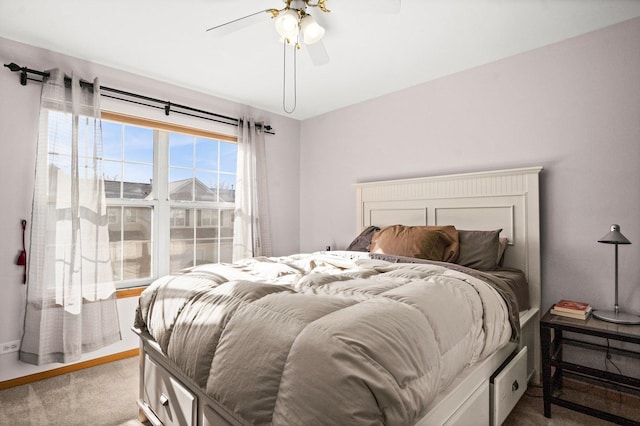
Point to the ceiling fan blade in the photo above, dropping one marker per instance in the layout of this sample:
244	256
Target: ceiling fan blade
317	53
238	24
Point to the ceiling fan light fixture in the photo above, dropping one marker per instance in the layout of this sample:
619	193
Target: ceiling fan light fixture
287	24
311	30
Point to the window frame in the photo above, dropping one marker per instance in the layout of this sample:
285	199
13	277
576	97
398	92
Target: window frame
161	204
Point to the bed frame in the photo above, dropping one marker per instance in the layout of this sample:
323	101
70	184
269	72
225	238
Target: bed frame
485	392
506	199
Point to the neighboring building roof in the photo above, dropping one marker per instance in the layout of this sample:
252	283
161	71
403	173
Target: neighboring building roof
130	189
178	190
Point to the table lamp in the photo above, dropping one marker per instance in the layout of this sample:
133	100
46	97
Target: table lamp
614	236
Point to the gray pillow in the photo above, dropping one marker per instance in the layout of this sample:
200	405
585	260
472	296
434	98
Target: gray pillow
479	249
362	241
503	243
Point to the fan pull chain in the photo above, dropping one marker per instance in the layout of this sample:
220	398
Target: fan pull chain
284	82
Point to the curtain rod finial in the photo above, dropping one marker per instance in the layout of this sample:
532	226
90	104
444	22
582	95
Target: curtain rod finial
23	75
13	66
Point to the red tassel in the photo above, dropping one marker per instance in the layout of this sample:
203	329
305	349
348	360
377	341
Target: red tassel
22	257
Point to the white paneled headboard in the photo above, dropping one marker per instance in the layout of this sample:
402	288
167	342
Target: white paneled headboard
507	199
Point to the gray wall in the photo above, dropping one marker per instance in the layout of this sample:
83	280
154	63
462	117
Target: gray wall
572	107
18	134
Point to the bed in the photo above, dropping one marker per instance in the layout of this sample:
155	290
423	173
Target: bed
362	337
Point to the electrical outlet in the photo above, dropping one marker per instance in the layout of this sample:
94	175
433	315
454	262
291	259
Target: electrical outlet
10	347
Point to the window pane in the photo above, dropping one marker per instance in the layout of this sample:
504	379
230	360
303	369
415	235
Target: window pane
137	181
178	218
86	138
227	188
60	162
137	242
130	241
206	251
207	154
181	239
126	179
206	236
114	216
226	223
59	127
199	169
206	184
206	223
228	157
181	150
112	172
112	140
181	223
226	250
180	184
181	255
88	169
138	144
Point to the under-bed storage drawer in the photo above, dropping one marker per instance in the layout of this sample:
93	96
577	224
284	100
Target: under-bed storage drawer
508	386
474	411
171	402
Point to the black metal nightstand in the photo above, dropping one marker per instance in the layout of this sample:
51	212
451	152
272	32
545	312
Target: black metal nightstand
554	365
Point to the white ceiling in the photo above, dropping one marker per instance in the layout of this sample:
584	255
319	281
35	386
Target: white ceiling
372	53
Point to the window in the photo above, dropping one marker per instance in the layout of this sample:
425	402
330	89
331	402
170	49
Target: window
170	195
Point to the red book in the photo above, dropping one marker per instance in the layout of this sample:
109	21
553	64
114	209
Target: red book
565	305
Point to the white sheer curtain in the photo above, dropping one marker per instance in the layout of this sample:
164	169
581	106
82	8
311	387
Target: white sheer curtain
251	227
71	301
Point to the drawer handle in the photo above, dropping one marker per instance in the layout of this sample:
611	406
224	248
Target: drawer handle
164	400
515	386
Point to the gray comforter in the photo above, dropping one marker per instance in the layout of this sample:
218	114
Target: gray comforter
324	338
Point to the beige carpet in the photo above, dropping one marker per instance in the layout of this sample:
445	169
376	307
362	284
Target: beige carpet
106	395
102	395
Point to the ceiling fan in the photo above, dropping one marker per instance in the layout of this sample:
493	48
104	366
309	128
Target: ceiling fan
295	25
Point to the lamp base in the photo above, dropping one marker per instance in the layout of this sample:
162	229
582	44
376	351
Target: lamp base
617	317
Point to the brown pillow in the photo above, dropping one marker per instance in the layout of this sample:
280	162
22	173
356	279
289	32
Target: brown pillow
423	242
479	249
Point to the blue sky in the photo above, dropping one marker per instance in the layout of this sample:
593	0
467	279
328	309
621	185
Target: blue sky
189	156
138	142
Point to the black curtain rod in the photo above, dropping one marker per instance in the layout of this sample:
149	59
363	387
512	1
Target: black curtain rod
121	95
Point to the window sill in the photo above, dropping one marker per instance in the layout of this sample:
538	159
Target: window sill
129	292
